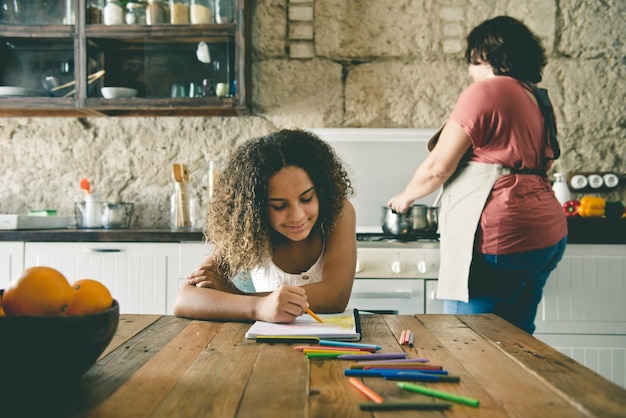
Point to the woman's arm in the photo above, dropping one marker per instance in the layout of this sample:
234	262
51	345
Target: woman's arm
338	268
436	169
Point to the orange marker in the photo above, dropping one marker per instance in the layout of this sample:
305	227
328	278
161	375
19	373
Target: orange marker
365	390
314	315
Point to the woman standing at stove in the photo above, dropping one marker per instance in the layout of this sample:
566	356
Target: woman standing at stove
279	211
502	229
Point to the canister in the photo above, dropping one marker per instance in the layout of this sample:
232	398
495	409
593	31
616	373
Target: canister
201	11
179	12
135	13
113	13
155	12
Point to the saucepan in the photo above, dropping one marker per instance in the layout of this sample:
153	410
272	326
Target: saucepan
414	220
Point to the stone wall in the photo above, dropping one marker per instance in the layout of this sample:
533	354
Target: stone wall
332	63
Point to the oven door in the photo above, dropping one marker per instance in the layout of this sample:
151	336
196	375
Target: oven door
388	296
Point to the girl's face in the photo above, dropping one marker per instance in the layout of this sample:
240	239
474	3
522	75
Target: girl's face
293	206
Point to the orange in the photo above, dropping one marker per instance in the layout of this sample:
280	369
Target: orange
38	291
90	296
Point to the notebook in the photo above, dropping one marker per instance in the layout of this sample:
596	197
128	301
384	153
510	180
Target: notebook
344	326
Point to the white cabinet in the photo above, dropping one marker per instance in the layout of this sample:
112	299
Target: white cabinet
137	274
11	261
582	312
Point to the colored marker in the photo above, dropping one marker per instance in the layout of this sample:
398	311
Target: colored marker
411	339
286	339
346	344
405	366
360	364
365	390
399	406
376	356
324	348
438	394
313	351
329	354
314	315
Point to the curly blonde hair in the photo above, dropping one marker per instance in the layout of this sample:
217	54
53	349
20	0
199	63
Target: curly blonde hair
237	220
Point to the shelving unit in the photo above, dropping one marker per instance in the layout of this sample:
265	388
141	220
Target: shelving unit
148	58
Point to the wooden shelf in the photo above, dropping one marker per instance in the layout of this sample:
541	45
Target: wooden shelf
148	58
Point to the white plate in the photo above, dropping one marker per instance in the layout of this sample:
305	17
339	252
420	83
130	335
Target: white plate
9	91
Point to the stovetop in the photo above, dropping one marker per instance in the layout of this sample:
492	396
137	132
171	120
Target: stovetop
425	239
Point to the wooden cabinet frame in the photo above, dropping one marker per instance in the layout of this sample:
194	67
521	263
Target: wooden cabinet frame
81	104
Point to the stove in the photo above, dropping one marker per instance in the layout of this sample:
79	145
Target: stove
393	274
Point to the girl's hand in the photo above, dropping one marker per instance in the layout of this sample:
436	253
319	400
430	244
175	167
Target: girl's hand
206	276
283	305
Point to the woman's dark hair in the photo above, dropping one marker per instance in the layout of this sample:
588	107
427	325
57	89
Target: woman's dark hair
237	220
509	47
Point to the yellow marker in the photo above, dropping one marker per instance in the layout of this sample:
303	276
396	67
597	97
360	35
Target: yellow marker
314	315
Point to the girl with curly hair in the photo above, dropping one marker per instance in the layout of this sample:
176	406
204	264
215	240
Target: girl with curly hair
280	213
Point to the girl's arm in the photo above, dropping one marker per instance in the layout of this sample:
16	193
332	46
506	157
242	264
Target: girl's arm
338	268
284	304
436	169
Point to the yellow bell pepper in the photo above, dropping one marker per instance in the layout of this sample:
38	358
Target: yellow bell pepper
591	207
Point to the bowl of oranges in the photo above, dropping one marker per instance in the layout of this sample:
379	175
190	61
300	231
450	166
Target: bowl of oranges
52	331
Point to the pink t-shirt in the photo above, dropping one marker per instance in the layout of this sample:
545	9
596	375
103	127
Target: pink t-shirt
506	127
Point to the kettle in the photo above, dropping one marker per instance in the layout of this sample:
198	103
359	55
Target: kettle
90	211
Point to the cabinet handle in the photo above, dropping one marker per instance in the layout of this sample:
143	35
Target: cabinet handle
401	294
103	250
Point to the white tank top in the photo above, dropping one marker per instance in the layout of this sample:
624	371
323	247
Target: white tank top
270	277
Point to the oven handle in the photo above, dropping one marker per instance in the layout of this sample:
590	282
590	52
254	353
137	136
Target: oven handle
399	294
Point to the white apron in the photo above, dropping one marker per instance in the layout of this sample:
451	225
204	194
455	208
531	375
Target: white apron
462	202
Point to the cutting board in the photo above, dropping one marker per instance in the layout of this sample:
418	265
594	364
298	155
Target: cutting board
33	222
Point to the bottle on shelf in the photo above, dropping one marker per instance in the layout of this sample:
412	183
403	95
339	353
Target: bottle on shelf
561	191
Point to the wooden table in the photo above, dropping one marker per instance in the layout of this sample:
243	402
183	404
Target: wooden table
164	366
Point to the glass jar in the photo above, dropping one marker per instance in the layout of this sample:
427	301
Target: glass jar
155	12
179	12
135	14
224	11
113	13
94	11
201	12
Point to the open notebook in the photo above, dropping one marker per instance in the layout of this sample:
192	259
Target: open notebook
344	326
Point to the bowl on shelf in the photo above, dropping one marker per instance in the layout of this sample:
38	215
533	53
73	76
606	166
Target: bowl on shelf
118	92
42	353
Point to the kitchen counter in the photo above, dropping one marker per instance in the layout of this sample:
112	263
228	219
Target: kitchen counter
101	235
164	366
581	231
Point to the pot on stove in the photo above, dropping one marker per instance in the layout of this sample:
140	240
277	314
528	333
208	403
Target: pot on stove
416	219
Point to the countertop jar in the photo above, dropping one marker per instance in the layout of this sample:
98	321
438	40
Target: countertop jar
201	11
156	12
179	12
113	13
135	13
94	11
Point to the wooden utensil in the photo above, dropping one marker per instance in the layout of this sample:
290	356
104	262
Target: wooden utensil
180	174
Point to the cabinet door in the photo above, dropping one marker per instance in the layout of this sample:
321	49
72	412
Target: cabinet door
586	292
135	273
11	261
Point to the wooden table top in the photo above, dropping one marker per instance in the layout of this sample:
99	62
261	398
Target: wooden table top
164	366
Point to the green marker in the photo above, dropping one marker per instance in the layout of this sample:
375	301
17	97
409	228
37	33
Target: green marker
323	355
438	394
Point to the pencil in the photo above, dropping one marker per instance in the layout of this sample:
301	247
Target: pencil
365	390
314	315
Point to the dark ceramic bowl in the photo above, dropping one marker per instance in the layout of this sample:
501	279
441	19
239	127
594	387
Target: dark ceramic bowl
53	350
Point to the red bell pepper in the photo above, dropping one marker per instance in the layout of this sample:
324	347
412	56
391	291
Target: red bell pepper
571	208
